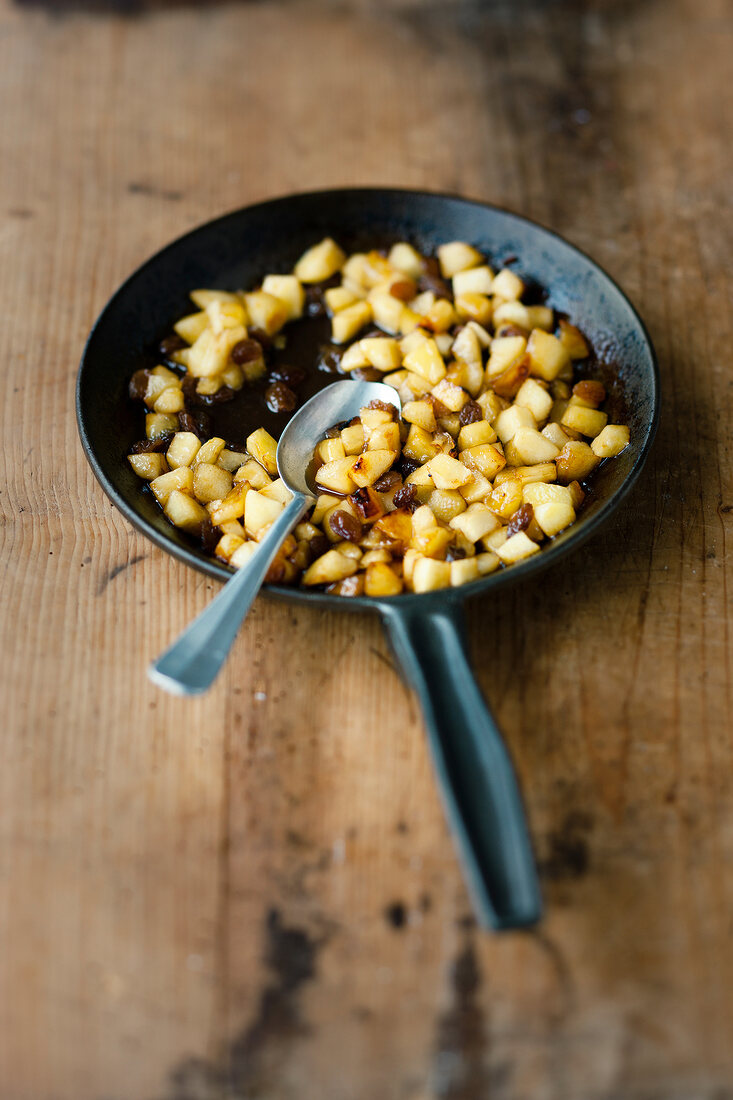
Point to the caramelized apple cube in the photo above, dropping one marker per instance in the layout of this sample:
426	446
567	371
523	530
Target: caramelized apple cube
611	441
383	352
157	424
505	352
263	447
476	280
148	465
575	461
180	479
457	256
329	568
183	511
259	512
485	458
589	422
426	360
370	465
573	341
463	571
190	328
210	482
320	262
337	475
381	580
554	517
429	574
517	548
420	413
287	289
346	324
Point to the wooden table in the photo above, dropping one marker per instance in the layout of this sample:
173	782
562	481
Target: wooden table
253	895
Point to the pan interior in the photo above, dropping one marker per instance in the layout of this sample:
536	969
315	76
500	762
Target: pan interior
235	251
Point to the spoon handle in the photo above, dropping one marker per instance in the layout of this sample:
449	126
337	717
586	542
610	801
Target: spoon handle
193	662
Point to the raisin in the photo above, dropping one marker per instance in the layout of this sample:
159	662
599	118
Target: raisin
521	520
198	423
345	526
246	351
387	481
431	279
367	503
314	304
366	374
329	359
319	545
292	376
151	446
404	289
138	386
470	413
405	497
455	553
384	406
511	330
261	337
222	395
332	433
408	466
280	398
592	392
171	344
209	536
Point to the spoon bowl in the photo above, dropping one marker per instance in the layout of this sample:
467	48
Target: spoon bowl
192	663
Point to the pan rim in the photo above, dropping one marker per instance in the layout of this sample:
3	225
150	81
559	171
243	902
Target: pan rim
408	601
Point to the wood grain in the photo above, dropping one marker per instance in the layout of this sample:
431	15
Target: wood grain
253	894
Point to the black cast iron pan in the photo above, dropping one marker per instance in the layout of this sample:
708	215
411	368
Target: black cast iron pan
426	631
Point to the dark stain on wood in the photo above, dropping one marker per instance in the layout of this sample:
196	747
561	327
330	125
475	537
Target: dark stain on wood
396	915
568	853
460	1067
136	187
249	1067
115	572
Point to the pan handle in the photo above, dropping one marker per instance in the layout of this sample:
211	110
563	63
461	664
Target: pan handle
479	789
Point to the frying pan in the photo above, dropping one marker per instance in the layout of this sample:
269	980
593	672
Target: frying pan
426	631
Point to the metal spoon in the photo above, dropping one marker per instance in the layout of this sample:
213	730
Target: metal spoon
192	663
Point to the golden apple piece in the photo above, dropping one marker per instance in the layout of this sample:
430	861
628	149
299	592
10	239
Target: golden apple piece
277	490
210	451
253	474
487	562
504	499
382	352
532	447
233	376
457	256
406	259
170	401
231	507
190	328
259	512
589	422
474	307
554	517
320	262
387	311
148	465
210	482
170	377
473	435
476	280
243	554
346	324
467	348
339	297
575	461
547	356
476	522
180	479
463	571
263	447
226	546
183	449
329	450
420	413
446	504
611	441
231	460
517	548
289	290
507	285
477	488
381	580
439	318
157	424
352	439
450	395
337	475
555	434
329	568
505	351
536	493
573	341
372	557
533	396
447	472
183	511
429	574
370	465
267	312
491	405
486	459
204	298
511	420
419	445
384	438
209	356
426	360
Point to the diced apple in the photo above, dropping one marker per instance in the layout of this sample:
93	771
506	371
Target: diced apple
330	567
259	512
537	493
183	511
504	499
263	447
474	307
370	465
507	285
485	458
476	280
404	258
589	422
439	318
346	324
210	482
388	312
383	352
320	262
447	472
231	460
157	424
429	574
148	465
426	360
473	435
450	395
511	420
611	441
547	356
532	447
554	517
457	256
277	490
190	328
463	571
575	461
517	548
505	351
476	522
381	580
573	341
352	439
420	413
533	396
337	475
231	507
446	504
180	479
